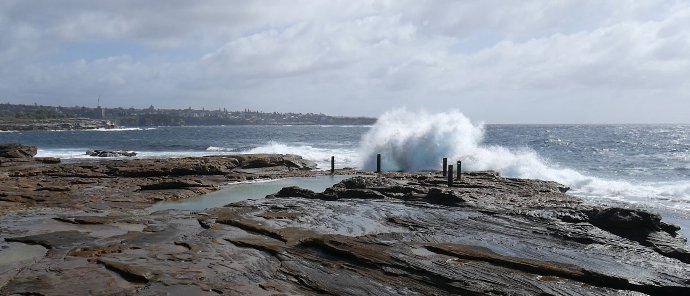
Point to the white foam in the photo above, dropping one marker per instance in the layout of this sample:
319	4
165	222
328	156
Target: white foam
219	149
120	129
346	125
69	153
321	156
411	141
102	129
80	154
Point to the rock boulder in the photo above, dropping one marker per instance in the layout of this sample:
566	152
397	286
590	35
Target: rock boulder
17	151
106	153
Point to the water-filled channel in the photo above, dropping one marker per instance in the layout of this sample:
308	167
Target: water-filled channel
248	190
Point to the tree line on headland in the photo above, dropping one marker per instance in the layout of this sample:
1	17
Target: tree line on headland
171	117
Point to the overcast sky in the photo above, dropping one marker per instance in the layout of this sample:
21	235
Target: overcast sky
496	61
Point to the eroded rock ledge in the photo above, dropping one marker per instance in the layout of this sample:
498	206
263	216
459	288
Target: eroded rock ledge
402	234
28	182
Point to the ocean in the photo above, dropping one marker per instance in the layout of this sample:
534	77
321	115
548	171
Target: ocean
633	164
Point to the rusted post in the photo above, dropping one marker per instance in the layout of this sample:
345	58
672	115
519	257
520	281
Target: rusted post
378	163
459	170
445	164
450	175
332	165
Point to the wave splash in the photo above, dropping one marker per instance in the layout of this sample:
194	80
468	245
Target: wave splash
414	141
321	156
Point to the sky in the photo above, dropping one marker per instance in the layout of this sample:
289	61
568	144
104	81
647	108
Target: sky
555	61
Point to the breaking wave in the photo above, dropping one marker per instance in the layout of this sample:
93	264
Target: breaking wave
122	129
321	156
413	141
102	129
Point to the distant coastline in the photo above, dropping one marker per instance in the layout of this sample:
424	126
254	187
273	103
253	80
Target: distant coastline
39	117
53	124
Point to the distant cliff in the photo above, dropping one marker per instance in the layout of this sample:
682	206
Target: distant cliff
167	117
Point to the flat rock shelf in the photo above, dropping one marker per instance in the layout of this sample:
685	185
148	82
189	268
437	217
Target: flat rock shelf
385	234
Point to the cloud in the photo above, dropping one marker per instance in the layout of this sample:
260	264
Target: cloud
496	61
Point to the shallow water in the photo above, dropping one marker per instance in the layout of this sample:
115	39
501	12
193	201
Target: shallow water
250	190
15	256
12	253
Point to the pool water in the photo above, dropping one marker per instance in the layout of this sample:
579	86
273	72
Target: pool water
248	190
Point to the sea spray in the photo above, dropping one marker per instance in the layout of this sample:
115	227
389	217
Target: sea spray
413	141
321	156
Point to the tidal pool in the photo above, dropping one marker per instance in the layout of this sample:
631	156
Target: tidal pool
250	190
12	253
15	256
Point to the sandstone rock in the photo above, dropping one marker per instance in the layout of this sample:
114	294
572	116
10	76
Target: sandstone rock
358	188
53	240
107	153
128	271
632	224
294	191
17	151
178	167
402	234
48	160
53	188
443	197
174	184
360	182
130	183
95	220
250	161
352	193
644	228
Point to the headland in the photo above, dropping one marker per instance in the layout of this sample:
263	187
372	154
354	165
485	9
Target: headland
19	117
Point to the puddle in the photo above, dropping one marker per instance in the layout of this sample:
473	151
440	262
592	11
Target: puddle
15	256
43	225
243	191
129	226
13	253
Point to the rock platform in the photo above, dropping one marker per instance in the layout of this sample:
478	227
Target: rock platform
388	234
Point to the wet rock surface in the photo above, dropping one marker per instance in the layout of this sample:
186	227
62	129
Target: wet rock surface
17	151
136	183
108	153
398	234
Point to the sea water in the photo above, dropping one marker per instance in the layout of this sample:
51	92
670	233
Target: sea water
645	165
239	191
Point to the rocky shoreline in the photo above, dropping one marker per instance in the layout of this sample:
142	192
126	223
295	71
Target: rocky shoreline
84	229
128	184
54	124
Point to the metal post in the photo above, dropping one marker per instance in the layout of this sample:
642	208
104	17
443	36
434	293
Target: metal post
332	165
450	175
445	164
378	163
459	170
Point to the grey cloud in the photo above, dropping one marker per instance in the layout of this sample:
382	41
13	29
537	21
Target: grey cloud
495	61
